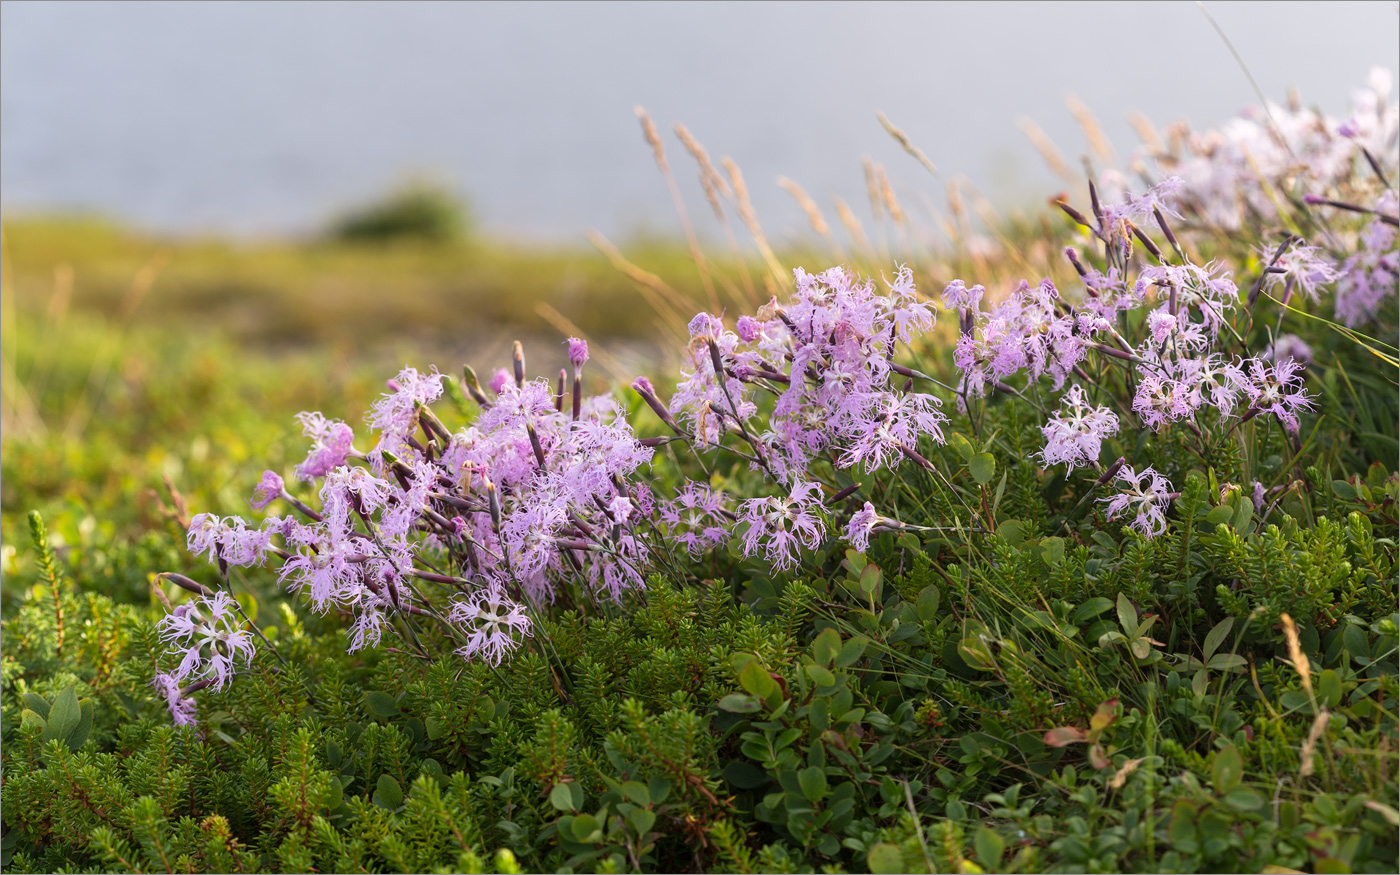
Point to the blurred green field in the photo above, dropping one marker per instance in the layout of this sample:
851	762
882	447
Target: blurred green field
130	359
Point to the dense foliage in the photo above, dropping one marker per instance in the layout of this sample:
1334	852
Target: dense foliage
1128	603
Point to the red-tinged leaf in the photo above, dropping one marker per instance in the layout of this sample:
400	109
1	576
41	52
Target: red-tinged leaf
1104	716
1061	736
1097	758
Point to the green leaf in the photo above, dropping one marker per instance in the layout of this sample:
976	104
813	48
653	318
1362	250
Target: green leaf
1013	532
562	797
926	605
1354	640
387	793
851	651
870	579
1244	799
1052	550
1217	635
812	780
659	789
1329	688
1244	516
381	704
755	678
1140	647
642	820
885	858
1226	662
1127	615
36	703
1090	609
583	827
826	646
637	792
745	776
32	718
1343	490
79	736
1227	770
1104	715
961	445
249	605
989	847
65	715
820	676
976	653
982	467
1218	515
739	703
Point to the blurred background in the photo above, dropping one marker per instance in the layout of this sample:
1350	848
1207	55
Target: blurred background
259	119
214	215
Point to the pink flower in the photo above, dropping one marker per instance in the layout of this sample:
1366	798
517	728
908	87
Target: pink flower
1308	267
889	422
183	711
1074	435
500	380
228	540
578	352
395	414
1148	494
695	518
861	525
209	638
1276	389
268	490
332	441
957	296
780	525
493	624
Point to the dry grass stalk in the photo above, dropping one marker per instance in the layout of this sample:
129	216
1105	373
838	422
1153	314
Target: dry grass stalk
1041	141
872	185
1093	132
892	207
1146	132
597	352
750	220
814	215
715	189
649	130
904	141
668	303
1295	653
887	195
714	184
1308	754
962	222
854	228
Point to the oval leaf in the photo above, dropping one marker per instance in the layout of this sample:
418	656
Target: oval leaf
64	716
983	467
1062	736
739	703
381	704
885	858
387	793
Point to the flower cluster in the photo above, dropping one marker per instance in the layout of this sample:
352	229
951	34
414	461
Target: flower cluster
827	355
209	638
543	494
